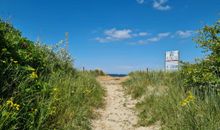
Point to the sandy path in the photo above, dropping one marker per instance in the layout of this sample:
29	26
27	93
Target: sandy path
118	113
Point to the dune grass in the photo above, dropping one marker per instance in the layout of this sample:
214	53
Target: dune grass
162	98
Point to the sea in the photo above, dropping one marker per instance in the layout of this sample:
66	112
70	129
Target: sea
118	75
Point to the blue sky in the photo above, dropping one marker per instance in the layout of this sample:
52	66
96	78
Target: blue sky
117	36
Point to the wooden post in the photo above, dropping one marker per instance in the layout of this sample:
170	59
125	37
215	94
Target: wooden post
67	40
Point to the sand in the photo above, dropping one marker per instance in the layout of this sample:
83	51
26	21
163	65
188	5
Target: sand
118	113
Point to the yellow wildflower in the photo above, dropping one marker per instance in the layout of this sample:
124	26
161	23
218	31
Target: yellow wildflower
10	103
13	105
16	106
188	99
33	75
184	102
190	96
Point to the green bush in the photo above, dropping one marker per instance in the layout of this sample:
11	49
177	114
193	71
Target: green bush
204	76
39	87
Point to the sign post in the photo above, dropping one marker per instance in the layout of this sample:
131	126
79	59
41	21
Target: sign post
172	60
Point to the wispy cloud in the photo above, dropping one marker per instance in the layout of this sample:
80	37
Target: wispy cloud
115	35
143	34
140	1
118	35
140	34
184	34
161	5
156	38
159	37
141	38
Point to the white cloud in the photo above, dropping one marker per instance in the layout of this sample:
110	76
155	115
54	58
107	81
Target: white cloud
140	1
112	35
153	39
102	40
140	42
158	37
184	34
117	35
142	34
161	5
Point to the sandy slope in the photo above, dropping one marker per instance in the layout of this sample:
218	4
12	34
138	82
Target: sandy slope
118	113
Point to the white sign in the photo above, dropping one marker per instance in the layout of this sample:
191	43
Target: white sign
172	60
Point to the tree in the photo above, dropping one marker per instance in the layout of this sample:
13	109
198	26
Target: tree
204	76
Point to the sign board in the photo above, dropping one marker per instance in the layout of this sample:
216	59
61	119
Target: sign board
172	60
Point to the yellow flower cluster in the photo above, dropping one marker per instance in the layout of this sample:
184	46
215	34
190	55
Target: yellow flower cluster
188	99
13	105
34	75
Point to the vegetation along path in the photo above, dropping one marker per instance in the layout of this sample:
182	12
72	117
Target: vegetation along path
118	113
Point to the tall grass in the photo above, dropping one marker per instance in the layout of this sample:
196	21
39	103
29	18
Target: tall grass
163	99
75	98
40	88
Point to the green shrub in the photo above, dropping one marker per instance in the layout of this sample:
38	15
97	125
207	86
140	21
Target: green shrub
39	87
204	76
